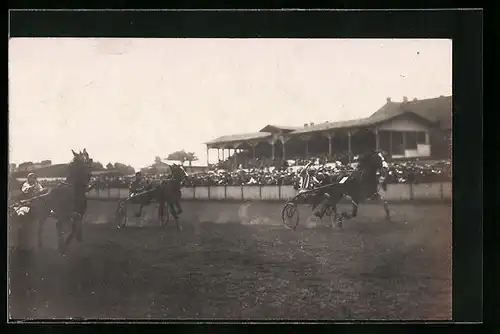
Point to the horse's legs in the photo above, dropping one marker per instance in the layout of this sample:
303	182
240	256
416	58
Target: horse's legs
60	239
175	214
379	196
138	214
41	223
77	227
75	222
337	219
355	204
178	206
386	207
161	210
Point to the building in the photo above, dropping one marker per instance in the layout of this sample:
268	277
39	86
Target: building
30	166
407	129
161	167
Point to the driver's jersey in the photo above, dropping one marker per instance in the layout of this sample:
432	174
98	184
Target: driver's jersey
31	189
307	181
136	187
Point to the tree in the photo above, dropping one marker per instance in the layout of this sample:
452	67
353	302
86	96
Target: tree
125	169
46	162
96	165
191	157
27	163
183	156
109	165
157	160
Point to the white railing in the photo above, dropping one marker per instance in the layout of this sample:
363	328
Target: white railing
395	192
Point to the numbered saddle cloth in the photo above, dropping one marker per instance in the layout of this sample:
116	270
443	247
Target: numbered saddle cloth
22	210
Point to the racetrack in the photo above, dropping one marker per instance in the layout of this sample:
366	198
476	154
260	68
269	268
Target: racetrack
236	261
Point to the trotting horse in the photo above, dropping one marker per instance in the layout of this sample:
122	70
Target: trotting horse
67	202
168	192
362	184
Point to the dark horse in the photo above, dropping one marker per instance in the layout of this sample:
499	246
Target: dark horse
167	192
66	203
363	183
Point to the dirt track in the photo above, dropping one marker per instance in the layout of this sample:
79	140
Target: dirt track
236	261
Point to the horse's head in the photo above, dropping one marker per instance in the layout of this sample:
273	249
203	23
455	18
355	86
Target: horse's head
178	173
371	161
79	169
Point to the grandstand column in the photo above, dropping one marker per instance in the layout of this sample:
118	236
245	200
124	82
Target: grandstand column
306	138
272	141
330	136
208	155
404	141
377	139
349	150
390	143
283	140
218	154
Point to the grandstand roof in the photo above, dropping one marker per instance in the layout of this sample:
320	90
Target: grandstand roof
435	110
333	125
430	111
239	137
276	128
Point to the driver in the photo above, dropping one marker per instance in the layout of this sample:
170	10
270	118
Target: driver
307	178
137	185
31	187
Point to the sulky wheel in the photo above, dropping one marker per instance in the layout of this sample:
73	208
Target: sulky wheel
121	214
290	215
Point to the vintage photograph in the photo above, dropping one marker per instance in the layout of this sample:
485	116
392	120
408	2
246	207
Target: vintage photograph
230	179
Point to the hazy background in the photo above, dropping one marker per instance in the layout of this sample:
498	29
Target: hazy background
128	100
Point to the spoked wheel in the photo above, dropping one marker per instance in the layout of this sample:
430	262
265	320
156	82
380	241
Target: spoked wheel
290	215
121	215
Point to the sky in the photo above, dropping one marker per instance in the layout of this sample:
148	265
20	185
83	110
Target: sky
129	100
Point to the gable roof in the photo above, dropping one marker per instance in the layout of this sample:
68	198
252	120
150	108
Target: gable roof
437	109
353	123
428	111
239	137
277	128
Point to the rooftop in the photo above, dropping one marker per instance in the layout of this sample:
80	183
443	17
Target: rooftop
239	137
434	110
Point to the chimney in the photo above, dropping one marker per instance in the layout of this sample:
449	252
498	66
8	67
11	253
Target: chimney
405	98
388	100
311	124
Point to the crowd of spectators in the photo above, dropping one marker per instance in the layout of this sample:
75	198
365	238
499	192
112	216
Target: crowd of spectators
402	172
398	172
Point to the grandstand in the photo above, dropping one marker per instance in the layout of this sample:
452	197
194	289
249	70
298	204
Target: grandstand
404	130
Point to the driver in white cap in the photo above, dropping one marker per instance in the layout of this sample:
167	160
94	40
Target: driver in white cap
31	187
